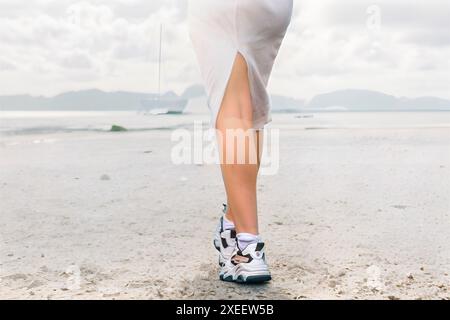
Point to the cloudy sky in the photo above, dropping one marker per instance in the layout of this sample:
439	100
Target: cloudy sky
400	47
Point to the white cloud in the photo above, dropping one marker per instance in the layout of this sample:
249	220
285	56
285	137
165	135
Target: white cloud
330	47
49	46
6	65
64	45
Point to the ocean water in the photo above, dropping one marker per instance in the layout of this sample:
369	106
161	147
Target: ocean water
36	122
363	120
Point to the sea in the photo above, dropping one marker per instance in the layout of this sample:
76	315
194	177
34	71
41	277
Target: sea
48	122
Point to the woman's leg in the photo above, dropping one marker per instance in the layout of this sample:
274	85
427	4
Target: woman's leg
260	140
236	117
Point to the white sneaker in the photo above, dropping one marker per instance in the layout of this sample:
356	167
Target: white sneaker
219	230
248	266
225	243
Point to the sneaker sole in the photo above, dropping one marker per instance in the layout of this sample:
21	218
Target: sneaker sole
248	280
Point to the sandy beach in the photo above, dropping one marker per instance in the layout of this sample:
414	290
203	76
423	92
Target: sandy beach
358	210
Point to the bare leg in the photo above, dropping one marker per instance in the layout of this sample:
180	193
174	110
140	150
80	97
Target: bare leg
260	140
240	179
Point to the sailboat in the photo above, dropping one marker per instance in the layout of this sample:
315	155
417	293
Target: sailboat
167	104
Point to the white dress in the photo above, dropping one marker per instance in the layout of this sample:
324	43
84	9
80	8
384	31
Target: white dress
220	29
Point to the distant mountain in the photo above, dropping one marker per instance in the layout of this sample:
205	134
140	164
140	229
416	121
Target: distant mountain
345	100
365	100
89	100
286	104
195	91
79	100
425	102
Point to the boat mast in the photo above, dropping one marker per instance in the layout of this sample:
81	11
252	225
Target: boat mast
160	60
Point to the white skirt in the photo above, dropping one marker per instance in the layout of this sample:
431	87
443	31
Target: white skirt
220	29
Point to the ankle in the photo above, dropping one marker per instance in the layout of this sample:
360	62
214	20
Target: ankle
246	239
228	224
228	217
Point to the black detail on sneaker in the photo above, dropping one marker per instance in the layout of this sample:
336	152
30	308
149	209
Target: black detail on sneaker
240	258
233	234
215	246
221	224
227	279
260	246
254	279
224	242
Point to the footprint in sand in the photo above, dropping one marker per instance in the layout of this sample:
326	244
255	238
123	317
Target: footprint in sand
105	177
400	207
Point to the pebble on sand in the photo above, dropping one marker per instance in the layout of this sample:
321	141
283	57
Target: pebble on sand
105	177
